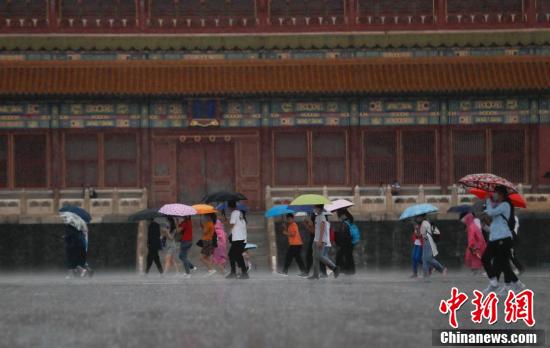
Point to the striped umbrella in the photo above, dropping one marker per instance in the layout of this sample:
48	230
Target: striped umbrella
177	209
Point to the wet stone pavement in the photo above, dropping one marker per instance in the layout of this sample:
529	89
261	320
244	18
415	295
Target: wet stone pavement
370	309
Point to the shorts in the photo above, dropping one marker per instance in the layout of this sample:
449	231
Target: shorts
207	248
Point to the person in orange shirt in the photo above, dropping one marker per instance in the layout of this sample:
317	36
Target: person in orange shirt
206	241
290	229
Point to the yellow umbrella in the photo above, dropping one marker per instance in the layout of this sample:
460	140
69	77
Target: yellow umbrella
203	209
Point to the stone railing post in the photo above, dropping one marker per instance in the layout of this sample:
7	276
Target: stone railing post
141	247
421	198
144	198
389	200
56	197
268	197
454	195
357	199
116	201
23	202
87	203
296	192
325	191
520	188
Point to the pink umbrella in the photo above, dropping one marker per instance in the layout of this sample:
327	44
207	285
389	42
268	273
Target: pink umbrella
177	209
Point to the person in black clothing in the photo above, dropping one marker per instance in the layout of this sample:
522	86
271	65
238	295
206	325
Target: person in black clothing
344	256
74	250
153	246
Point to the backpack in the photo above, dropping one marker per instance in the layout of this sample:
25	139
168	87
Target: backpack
511	221
435	233
354	232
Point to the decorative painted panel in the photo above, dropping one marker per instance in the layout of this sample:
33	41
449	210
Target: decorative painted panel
168	114
277	112
24	115
396	112
493	110
92	114
309	113
544	109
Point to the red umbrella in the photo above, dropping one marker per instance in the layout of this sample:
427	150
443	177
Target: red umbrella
487	182
516	199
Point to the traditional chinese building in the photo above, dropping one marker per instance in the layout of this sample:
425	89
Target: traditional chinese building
183	97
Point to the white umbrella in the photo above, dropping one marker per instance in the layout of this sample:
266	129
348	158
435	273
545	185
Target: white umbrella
338	204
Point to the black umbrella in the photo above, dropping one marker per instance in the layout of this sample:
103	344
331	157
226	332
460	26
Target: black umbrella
224	196
78	211
147	214
460	209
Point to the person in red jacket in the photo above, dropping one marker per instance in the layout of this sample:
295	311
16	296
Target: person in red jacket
186	227
416	251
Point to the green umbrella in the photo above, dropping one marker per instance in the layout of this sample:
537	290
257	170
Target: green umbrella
310	199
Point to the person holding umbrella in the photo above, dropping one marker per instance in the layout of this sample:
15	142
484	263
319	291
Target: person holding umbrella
153	246
238	238
497	255
186	227
476	243
321	244
76	240
429	247
344	256
294	251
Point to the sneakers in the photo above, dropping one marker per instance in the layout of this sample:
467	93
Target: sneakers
313	277
231	276
518	286
211	272
284	274
414	275
244	276
186	275
193	269
336	272
504	290
303	275
491	288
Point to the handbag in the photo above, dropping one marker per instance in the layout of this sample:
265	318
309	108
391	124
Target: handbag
200	243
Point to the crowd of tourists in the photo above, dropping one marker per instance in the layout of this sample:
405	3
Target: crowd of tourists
491	231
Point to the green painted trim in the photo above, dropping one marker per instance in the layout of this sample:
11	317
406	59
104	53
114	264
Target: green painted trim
295	41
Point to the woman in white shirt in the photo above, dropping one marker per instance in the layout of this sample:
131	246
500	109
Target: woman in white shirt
237	223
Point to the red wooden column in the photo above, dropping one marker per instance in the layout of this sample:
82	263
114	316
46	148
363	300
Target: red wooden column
262	12
141	14
440	11
351	12
530	10
53	14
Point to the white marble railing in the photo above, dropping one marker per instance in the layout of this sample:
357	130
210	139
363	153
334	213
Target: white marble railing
386	205
43	203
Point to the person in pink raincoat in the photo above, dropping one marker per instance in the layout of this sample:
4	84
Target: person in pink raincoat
476	244
219	257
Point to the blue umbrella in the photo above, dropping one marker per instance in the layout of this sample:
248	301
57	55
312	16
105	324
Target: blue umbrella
223	206
418	209
278	210
302	208
78	211
460	209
